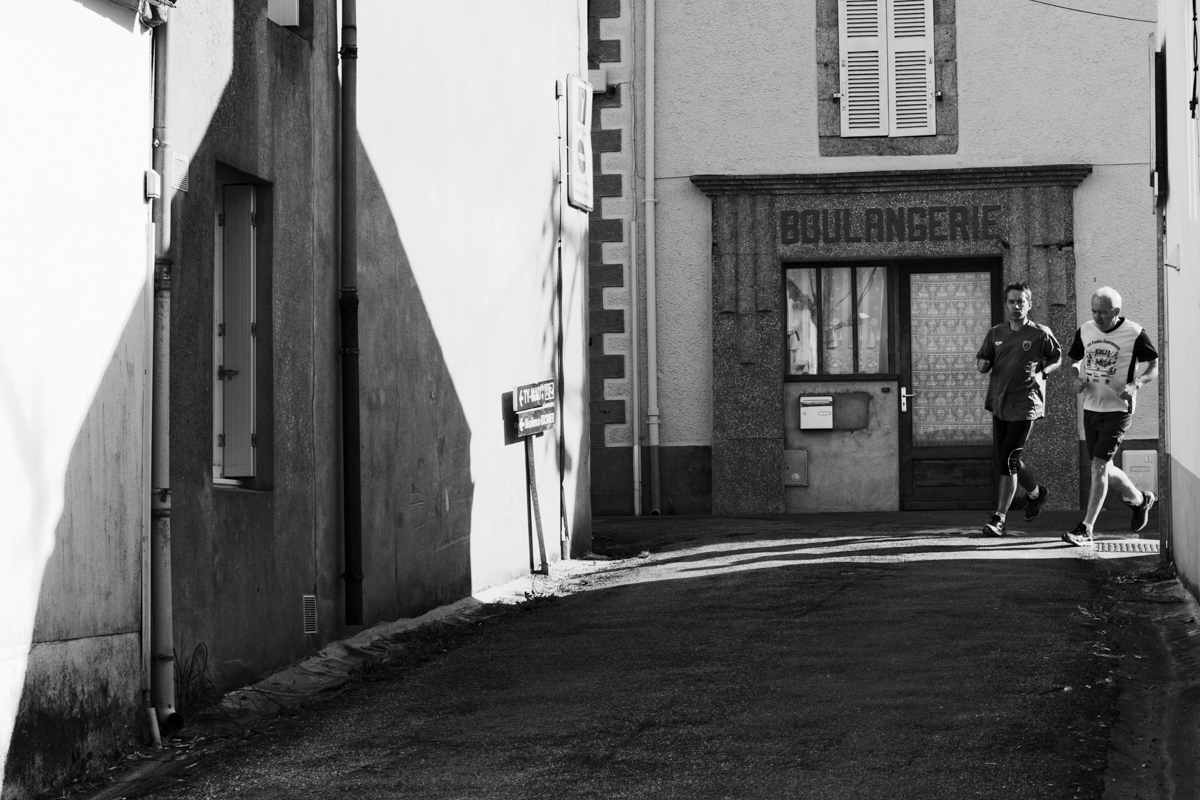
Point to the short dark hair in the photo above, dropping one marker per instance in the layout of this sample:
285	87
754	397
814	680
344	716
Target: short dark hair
1020	286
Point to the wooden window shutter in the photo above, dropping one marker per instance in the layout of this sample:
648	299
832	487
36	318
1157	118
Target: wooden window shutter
237	302
862	64
910	68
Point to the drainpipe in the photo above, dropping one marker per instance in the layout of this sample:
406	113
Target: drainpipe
162	634
651	303
348	303
633	361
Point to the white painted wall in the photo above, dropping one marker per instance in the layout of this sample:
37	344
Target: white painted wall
73	253
458	116
1182	288
736	93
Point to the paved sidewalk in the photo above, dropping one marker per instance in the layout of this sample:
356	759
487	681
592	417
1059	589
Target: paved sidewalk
828	656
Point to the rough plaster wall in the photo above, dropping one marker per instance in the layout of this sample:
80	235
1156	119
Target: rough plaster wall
72	347
248	552
83	706
1114	245
736	87
736	91
684	269
477	209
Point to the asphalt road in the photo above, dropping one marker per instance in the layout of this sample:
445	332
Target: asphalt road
829	658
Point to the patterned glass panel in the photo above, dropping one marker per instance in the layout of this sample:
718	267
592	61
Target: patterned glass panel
837	320
951	312
802	321
872	320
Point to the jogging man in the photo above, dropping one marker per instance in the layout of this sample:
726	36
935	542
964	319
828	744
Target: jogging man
1019	354
1105	355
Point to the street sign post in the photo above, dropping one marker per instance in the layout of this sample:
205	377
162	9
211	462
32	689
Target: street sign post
528	411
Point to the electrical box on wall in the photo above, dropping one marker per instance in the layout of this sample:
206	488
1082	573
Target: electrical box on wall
795	468
1142	468
816	412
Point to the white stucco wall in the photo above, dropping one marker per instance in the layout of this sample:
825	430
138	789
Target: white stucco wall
469	163
1182	290
73	251
737	91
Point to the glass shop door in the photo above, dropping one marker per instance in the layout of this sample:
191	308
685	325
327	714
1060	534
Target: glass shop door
946	459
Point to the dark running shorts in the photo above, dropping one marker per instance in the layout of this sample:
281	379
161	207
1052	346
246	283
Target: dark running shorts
1009	436
1103	432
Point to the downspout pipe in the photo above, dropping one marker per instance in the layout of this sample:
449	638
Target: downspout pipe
162	633
636	434
348	304
652	414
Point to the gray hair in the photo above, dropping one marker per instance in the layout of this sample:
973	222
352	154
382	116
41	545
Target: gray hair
1110	294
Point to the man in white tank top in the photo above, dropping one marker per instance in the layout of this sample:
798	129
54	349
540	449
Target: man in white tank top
1105	356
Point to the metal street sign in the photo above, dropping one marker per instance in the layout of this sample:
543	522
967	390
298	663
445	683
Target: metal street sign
533	395
536	421
579	143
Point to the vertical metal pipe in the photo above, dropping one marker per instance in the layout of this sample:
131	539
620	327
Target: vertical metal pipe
564	533
652	415
636	412
162	633
348	303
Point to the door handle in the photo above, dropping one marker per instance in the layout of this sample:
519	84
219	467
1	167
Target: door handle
225	374
904	395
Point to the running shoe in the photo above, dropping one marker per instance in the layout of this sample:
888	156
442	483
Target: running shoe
1034	507
1080	537
1141	513
996	527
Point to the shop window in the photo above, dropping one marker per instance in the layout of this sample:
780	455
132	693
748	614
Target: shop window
235	357
837	321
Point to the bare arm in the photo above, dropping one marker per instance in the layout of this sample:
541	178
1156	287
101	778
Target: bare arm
1080	381
1150	373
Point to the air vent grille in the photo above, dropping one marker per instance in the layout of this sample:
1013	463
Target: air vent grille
179	172
310	613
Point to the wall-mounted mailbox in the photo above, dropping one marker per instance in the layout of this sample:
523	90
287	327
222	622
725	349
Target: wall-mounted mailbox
816	412
795	468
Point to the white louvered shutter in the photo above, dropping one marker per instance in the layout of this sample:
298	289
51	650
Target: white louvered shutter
862	63
910	68
237	303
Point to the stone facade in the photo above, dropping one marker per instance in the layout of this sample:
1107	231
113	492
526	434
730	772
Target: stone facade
1029	225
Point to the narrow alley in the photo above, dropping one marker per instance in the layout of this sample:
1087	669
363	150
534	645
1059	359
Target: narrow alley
833	656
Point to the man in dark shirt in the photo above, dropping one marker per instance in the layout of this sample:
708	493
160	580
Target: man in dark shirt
1019	354
1105	355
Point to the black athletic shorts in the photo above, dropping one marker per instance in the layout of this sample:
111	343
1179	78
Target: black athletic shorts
1009	437
1103	432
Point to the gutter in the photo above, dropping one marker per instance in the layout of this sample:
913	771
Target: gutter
348	304
651	302
162	634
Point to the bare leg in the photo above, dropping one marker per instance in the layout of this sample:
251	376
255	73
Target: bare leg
1097	492
1118	479
1103	473
1006	489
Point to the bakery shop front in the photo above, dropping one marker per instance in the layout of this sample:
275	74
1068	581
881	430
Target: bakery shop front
847	311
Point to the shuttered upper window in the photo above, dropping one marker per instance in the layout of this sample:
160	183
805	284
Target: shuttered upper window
235	332
886	67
